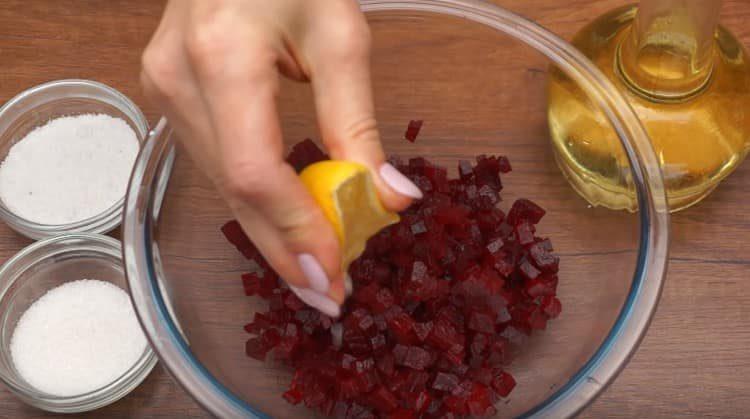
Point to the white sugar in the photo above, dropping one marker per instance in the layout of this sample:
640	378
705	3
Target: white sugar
76	338
70	169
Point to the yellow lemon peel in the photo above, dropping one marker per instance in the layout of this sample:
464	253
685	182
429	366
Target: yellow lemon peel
346	193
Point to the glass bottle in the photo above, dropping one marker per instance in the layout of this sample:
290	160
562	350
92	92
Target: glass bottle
687	78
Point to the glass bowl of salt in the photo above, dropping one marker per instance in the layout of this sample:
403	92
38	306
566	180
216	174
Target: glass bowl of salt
67	149
70	340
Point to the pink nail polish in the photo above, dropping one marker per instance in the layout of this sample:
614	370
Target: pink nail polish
314	273
318	301
399	182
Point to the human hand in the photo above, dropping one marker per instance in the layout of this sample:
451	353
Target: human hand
213	68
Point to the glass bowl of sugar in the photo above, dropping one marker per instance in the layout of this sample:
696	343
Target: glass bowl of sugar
67	148
69	337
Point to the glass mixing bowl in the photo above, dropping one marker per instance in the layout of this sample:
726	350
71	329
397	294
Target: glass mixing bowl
184	276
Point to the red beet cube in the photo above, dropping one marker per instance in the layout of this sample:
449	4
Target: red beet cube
236	235
386	364
495	245
524	233
479	400
378	343
304	154
528	270
465	170
525	210
293	396
402	413
445	382
456	405
481	322
402	327
503	383
422	330
538	287
251	283
543	258
551	306
413	129
438	176
382	400
414	357
256	348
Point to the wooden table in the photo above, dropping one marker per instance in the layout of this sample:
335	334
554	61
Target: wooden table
694	359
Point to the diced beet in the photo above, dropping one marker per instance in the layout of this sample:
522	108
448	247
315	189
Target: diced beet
256	348
304	154
382	400
378	343
445	382
402	413
293	396
525	210
236	235
503	384
487	198
551	306
422	330
381	301
465	170
413	129
478	345
543	258
386	364
416	358
455	404
524	233
402	327
441	302
418	228
251	284
528	270
438	176
292	302
538	287
481	322
479	400
495	245
545	244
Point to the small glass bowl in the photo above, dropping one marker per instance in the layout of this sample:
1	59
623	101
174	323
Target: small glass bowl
34	271
40	104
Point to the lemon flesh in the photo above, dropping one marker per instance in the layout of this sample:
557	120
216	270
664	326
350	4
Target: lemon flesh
346	193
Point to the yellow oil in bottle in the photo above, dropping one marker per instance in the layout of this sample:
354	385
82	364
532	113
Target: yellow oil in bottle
699	137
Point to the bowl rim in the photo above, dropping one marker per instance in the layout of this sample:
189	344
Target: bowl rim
152	172
108	219
94	399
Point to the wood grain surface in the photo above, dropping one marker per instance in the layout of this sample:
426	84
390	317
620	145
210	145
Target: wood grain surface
694	359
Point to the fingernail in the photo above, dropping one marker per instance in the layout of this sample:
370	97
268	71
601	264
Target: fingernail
318	301
314	273
399	182
348	287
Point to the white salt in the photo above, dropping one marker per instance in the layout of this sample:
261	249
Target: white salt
76	338
70	169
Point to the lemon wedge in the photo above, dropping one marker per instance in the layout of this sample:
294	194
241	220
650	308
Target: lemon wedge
346	193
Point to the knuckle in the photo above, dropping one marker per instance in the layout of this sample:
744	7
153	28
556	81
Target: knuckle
159	74
207	42
295	225
216	44
363	130
350	39
245	181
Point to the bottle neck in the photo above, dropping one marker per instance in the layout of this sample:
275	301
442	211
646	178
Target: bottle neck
668	53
